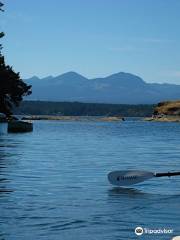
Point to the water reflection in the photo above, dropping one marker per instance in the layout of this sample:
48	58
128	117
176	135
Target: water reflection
7	154
3	188
3	128
134	192
141	209
117	191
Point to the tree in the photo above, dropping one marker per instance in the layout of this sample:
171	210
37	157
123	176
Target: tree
12	87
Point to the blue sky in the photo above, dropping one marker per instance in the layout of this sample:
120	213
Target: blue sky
93	37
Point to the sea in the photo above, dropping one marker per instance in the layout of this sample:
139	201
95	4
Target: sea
53	181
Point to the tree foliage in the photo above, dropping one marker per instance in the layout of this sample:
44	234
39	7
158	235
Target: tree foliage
12	87
84	109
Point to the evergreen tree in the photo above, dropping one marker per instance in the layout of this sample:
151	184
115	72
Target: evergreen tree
12	87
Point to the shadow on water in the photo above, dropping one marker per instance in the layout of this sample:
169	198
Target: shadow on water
129	197
133	193
120	191
3	128
7	147
3	188
7	153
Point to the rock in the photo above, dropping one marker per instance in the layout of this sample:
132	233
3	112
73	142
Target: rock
19	126
3	118
166	112
170	108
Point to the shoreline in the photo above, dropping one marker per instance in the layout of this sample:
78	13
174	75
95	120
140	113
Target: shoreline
163	119
73	118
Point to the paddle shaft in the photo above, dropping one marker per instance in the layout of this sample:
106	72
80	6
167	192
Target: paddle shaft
167	174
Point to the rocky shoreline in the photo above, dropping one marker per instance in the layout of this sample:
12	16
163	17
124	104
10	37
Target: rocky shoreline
163	119
166	112
73	118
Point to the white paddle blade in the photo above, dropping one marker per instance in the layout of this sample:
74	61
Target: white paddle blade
126	178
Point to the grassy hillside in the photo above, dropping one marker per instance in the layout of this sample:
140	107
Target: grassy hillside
168	108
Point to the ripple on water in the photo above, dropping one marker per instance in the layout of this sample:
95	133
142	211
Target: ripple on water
53	181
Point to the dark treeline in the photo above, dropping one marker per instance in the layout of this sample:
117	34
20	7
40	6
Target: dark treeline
83	109
12	87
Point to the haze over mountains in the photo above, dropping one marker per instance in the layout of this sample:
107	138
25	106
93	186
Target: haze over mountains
121	87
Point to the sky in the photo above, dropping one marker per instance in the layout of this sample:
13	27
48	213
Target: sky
93	37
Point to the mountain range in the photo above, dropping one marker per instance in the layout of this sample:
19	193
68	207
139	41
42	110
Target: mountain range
124	88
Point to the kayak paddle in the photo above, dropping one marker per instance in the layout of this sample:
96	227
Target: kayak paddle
126	178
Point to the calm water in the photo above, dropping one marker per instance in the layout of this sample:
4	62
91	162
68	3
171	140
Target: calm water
53	181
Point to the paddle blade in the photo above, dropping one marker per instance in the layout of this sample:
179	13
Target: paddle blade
126	178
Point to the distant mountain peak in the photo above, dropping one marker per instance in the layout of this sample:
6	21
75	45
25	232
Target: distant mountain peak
120	87
71	74
125	79
48	77
33	78
70	77
124	75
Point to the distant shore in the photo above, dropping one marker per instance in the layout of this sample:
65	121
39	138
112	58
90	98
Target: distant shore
168	111
163	119
31	108
74	118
